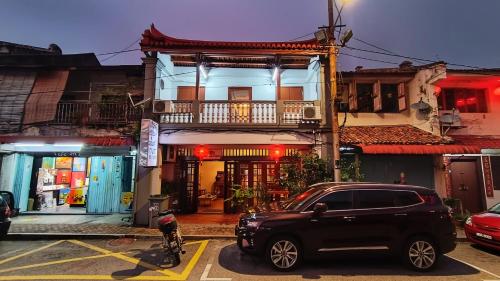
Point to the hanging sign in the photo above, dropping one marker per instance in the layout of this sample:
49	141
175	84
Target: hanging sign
148	148
488	179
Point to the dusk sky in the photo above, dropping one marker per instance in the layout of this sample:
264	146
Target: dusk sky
457	31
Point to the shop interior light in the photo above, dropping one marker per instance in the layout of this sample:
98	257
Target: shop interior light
275	73
203	71
69	144
24	144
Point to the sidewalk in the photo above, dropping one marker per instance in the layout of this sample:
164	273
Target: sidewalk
195	225
206	225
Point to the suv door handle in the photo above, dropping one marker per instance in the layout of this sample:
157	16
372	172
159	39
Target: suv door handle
401	214
349	218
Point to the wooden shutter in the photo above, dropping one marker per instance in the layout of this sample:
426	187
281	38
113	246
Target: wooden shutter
353	97
402	104
377	97
291	93
189	93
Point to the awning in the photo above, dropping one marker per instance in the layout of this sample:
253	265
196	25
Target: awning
234	138
41	105
420	149
93	141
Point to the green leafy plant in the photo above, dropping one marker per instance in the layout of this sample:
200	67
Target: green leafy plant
349	169
241	197
304	171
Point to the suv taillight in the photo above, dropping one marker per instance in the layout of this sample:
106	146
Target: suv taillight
8	213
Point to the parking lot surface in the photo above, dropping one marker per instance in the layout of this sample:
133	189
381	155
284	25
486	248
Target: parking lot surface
216	260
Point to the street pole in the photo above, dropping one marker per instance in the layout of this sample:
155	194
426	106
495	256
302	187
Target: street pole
332	56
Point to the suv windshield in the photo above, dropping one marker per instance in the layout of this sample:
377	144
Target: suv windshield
298	201
495	209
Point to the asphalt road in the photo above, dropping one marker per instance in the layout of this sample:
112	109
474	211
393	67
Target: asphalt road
215	260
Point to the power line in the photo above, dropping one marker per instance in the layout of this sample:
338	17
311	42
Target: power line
412	58
369	59
126	49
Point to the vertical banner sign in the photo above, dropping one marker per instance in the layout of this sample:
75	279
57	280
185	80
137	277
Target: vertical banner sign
488	178
148	148
447	176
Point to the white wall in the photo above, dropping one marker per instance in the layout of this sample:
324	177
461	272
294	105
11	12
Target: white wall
421	86
219	79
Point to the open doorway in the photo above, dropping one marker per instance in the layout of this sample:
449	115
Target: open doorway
211	187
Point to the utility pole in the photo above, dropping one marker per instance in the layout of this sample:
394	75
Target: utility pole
332	56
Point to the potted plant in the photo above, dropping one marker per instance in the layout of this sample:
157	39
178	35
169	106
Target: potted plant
240	198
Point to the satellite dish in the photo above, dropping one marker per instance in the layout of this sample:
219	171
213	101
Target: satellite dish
420	105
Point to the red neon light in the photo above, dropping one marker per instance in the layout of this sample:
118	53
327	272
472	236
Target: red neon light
437	91
200	152
460	102
497	91
472	100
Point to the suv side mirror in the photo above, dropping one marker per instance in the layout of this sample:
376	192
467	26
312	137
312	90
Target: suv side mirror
319	208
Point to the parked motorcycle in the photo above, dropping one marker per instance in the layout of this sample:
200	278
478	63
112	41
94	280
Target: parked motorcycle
172	239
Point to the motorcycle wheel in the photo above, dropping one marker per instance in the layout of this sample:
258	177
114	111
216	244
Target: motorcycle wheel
177	259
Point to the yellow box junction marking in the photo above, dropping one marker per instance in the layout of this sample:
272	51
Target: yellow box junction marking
168	274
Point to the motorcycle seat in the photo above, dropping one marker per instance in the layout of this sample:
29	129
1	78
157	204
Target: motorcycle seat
166	212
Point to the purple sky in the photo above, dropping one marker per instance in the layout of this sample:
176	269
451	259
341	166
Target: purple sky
457	31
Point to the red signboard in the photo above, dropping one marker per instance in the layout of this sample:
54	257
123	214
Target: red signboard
488	178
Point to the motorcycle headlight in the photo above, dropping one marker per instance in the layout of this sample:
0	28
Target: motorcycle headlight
468	221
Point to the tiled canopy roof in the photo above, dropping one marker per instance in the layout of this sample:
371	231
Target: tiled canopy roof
154	40
483	142
404	134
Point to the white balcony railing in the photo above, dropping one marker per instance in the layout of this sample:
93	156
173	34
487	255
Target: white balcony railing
236	112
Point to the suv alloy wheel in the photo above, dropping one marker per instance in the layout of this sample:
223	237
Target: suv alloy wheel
284	253
420	253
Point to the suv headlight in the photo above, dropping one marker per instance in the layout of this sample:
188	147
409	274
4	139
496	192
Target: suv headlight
253	224
468	221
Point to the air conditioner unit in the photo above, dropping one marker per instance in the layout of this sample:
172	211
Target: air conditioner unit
450	118
163	106
311	113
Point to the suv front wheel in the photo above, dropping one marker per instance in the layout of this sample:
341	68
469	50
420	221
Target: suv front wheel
284	253
420	253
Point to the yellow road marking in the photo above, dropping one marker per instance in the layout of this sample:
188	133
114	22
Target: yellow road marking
55	262
85	277
123	257
168	274
31	252
185	273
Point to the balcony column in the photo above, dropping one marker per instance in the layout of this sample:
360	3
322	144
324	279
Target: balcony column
148	178
196	102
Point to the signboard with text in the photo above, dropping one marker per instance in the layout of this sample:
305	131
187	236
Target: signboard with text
488	179
148	149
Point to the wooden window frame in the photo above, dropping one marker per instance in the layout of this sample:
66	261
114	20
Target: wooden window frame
230	90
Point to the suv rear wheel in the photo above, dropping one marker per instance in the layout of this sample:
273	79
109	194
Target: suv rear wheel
284	253
420	253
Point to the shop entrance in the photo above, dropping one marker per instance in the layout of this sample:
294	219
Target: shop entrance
211	187
206	186
69	183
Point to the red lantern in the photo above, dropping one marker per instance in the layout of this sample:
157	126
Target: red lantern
277	151
200	152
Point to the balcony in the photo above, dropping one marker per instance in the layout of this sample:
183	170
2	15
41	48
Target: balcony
243	113
104	114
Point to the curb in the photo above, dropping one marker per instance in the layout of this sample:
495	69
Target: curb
58	236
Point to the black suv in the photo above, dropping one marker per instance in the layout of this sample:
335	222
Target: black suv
6	207
330	218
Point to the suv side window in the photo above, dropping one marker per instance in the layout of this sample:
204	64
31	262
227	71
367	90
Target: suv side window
406	198
339	200
369	199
